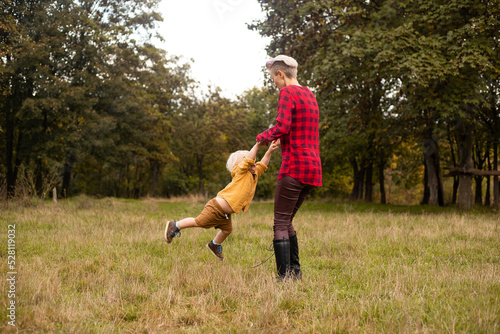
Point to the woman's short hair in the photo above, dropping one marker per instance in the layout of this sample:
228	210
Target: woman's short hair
278	65
233	159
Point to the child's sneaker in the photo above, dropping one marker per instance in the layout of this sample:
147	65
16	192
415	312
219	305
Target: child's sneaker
171	231
216	250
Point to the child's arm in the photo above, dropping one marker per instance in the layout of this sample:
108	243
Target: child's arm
274	145
253	152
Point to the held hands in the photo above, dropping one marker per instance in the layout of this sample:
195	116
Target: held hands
274	145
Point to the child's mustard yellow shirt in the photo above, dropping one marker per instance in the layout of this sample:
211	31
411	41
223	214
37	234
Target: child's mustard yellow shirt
239	193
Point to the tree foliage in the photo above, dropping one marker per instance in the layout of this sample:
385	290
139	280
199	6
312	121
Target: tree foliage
390	72
79	88
405	88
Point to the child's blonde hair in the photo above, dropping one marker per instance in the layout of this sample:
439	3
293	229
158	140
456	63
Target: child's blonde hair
233	159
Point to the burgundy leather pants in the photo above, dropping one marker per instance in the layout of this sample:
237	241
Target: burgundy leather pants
289	196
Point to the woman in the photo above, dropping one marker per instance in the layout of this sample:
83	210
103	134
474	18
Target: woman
297	126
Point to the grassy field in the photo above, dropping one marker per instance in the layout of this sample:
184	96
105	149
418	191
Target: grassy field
102	266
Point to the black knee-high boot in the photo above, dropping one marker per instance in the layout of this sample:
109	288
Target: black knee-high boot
294	258
282	255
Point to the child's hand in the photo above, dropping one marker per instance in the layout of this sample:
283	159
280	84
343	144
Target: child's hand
274	145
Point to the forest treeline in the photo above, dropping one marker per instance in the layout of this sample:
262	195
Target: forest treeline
408	93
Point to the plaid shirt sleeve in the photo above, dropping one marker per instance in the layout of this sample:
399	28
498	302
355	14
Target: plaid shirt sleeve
283	119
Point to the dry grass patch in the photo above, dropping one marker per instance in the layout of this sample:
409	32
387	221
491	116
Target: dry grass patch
102	266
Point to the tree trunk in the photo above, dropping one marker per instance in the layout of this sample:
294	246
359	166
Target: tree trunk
13	133
68	168
199	161
369	183
465	145
120	181
361	183
478	179
12	148
66	180
454	161
381	177
487	196
478	195
432	163
355	189
39	175
155	176
9	160
455	190
425	199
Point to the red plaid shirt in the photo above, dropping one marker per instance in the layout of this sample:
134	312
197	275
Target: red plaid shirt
297	125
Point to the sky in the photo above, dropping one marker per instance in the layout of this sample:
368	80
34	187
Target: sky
214	34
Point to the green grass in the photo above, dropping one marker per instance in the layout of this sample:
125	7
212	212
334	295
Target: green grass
102	266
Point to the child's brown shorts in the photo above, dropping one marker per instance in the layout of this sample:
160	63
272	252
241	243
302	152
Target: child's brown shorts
213	216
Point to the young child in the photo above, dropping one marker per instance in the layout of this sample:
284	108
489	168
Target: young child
235	197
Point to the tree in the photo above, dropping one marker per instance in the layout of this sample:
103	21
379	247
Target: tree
441	50
205	132
131	128
489	122
426	58
79	87
333	43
